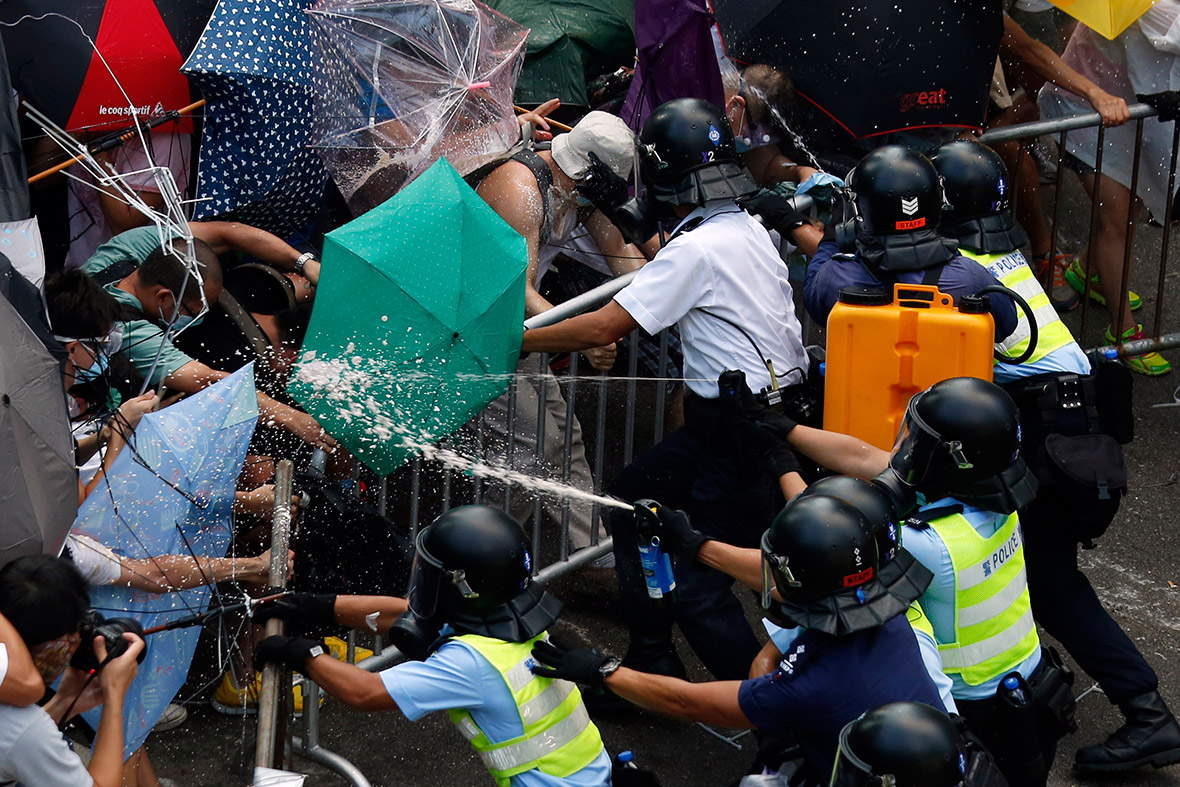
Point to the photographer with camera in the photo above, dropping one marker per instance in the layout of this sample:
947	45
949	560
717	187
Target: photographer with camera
45	600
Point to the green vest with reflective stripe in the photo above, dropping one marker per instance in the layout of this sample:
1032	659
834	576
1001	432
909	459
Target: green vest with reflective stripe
1013	272
919	621
559	738
994	629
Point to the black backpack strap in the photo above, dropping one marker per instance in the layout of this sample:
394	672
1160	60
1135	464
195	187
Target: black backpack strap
544	177
115	273
920	520
931	275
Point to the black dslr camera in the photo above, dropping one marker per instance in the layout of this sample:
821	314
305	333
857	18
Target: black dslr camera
112	631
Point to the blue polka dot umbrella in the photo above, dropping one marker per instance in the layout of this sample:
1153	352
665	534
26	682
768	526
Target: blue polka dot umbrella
254	66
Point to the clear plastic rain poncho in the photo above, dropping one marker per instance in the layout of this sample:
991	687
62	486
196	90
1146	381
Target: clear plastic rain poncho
402	83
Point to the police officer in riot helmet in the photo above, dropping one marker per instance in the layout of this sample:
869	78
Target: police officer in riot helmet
1067	410
961	437
721	281
901	744
856	651
888	234
473	614
959	450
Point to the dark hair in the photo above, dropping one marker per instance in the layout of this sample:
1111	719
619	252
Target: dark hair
292	324
78	307
162	268
43	597
765	87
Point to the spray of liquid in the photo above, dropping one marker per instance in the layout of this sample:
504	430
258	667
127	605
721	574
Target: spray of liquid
781	121
346	384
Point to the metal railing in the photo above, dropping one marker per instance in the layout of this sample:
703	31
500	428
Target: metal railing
633	410
1060	129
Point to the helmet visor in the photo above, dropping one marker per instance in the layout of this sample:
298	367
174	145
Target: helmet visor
773	566
425	580
850	770
916	446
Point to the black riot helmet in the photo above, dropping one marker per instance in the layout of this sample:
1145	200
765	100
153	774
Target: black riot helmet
873	504
896	190
961	437
977	187
473	569
688	155
821	556
901	744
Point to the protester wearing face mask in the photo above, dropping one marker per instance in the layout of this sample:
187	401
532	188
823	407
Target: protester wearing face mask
158	297
757	100
537	191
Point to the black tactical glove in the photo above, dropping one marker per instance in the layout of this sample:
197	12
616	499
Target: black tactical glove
605	190
777	212
579	665
290	651
677	535
1166	103
316	609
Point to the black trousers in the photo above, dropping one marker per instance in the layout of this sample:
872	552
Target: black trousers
729	499
1065	604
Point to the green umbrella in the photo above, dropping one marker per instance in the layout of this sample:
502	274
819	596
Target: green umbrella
570	42
417	322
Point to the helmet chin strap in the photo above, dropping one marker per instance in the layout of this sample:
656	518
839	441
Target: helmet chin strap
530	613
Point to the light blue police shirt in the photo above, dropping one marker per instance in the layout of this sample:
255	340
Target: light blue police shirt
938	602
456	676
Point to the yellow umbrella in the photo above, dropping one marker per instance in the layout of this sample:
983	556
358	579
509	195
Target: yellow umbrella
1108	17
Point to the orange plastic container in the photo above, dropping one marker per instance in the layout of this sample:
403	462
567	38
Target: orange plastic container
881	352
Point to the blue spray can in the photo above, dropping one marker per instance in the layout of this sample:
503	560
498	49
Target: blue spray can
657	564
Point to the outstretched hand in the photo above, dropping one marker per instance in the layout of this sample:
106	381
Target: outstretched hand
573	664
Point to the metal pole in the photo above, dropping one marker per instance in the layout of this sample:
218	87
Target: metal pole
599	450
632	373
1047	278
273	678
567	459
542	466
1129	245
1166	219
512	388
1095	203
661	388
1084	120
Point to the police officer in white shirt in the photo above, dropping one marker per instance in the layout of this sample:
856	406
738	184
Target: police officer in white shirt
720	280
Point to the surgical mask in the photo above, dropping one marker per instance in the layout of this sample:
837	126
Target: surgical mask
182	321
96	370
755	137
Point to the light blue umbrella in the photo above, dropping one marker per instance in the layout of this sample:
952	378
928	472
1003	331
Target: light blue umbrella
170	492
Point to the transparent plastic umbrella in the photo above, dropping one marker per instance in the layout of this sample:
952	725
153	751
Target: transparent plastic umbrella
402	83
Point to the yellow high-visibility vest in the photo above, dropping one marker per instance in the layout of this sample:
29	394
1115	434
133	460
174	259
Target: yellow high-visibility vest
559	739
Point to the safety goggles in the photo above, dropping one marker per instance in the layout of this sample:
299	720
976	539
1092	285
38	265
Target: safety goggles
917	444
104	345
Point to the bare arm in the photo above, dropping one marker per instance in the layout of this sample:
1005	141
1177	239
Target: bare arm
842	453
510	193
769	166
1047	64
225	236
807	237
195	376
354	611
353	686
106	764
715	702
791	484
594	329
22	684
170	573
742	563
766	661
620	256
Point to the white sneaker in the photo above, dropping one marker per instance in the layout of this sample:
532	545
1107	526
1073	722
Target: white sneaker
173	716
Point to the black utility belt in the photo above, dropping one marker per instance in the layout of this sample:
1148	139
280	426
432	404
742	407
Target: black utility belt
1056	390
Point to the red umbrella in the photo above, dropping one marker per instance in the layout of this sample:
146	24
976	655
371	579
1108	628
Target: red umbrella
56	68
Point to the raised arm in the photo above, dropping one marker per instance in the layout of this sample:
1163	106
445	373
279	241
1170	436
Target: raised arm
842	453
224	236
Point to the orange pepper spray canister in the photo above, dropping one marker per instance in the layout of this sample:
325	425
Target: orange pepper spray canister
881	351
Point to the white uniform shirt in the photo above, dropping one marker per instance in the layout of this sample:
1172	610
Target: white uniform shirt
728	266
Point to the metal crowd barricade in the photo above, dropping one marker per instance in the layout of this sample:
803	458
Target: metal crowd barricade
1060	127
624	441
